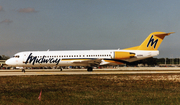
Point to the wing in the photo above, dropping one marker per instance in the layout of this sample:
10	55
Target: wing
87	61
95	62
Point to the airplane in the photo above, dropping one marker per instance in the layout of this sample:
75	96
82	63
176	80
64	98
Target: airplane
89	58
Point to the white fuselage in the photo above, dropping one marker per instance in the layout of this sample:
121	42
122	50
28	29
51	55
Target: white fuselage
75	58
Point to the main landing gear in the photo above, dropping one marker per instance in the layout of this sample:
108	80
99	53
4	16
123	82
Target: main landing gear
23	70
89	68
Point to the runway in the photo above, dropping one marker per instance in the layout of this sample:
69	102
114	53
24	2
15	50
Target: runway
121	71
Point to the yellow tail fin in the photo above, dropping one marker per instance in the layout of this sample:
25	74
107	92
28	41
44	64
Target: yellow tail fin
152	42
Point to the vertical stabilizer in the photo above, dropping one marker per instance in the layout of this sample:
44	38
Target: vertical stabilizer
152	42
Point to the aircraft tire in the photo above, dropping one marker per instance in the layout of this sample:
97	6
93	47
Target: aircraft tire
23	70
89	69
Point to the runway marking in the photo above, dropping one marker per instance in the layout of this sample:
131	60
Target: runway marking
84	72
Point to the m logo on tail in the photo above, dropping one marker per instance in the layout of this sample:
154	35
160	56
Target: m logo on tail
151	40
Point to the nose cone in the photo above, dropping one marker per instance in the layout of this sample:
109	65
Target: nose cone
9	62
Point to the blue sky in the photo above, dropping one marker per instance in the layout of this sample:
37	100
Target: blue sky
27	25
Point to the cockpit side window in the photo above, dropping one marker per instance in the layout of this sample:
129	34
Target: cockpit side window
16	56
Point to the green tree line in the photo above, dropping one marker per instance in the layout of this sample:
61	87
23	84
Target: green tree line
4	57
155	61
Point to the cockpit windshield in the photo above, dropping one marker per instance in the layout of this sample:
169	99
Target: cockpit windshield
16	56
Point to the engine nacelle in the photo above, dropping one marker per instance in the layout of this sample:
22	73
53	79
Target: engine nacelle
123	55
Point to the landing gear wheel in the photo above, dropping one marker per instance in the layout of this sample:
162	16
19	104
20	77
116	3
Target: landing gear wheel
23	70
89	69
